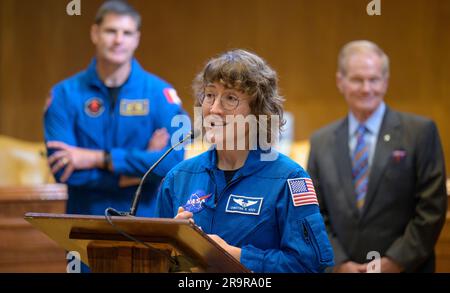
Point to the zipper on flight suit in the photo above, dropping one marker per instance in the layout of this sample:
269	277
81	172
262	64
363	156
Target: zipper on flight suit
216	199
306	233
311	240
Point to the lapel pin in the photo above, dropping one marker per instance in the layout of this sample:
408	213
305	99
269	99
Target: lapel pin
387	137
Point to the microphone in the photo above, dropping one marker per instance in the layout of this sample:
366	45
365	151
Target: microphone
137	195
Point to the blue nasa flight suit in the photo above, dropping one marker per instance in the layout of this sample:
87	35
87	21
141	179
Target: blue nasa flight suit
255	211
81	114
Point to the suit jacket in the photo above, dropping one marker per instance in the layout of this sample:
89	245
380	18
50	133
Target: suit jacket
406	201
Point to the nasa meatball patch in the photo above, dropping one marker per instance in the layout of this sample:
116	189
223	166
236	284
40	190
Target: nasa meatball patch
195	202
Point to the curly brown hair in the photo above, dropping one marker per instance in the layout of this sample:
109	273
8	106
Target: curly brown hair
246	72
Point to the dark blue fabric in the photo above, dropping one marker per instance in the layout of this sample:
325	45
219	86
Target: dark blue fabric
255	211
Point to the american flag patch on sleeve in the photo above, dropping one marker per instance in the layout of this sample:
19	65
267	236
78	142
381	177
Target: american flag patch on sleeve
302	191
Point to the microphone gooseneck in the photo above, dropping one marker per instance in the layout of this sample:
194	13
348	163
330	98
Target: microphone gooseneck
137	195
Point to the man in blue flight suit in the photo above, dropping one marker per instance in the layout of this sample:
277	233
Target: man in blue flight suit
105	126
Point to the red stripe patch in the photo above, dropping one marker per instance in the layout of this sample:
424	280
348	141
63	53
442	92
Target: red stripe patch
171	96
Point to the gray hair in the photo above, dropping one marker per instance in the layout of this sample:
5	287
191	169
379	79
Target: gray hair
361	46
120	7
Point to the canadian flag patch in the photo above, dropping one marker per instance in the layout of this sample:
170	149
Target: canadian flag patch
172	96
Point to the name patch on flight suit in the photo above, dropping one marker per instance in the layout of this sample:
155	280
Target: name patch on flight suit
244	205
134	107
94	107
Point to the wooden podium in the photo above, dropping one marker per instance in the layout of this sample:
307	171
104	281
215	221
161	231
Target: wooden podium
165	245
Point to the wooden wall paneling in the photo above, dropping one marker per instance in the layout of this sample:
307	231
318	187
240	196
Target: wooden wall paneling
41	45
22	247
300	39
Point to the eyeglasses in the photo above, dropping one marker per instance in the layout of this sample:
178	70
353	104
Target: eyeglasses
228	102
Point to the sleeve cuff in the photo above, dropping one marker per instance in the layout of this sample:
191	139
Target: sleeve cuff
395	253
252	258
118	160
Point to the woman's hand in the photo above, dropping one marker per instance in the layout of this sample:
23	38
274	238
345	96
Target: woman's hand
184	215
233	250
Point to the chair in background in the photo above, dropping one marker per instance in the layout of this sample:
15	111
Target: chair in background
23	162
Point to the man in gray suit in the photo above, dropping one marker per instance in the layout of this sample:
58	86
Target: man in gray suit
379	174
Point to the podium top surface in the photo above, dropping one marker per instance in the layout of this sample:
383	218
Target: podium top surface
75	232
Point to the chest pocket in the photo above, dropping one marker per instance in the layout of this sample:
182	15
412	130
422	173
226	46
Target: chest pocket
400	168
135	123
89	129
134	108
251	216
135	131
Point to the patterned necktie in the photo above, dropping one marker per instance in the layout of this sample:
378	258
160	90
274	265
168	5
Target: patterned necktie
360	166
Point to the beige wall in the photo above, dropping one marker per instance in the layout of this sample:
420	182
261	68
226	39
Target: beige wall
40	45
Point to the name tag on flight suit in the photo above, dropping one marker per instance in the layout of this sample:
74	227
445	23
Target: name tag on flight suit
134	107
244	205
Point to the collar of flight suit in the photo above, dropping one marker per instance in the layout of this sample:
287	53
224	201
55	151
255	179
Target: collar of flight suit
252	164
135	75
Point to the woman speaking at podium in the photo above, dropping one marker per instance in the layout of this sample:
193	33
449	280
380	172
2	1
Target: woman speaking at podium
257	204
